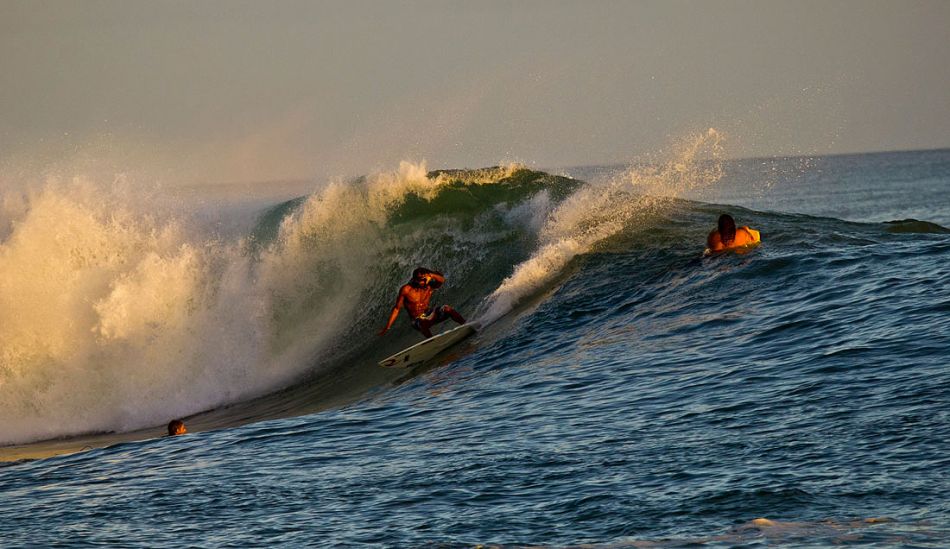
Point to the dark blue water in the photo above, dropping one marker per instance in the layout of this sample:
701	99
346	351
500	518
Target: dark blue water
649	395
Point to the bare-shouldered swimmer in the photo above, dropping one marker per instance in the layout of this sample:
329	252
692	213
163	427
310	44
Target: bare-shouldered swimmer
415	297
727	236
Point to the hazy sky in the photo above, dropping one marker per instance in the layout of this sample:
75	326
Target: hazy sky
239	91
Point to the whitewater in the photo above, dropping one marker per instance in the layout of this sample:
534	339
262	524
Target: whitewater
118	317
628	388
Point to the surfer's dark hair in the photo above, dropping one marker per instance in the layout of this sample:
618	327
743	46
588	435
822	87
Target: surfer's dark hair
173	426
727	228
419	272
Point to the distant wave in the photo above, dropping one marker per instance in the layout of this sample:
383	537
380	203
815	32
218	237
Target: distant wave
915	226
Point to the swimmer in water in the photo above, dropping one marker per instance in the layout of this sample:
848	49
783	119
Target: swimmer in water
415	296
726	236
176	427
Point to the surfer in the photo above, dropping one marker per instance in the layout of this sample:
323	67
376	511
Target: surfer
726	236
415	296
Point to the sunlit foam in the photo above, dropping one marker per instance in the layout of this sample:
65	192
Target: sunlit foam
600	210
115	316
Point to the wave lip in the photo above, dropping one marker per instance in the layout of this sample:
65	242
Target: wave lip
597	212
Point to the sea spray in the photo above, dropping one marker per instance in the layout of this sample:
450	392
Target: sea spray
114	317
119	315
116	314
600	210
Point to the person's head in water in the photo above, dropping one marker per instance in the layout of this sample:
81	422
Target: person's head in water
176	427
727	228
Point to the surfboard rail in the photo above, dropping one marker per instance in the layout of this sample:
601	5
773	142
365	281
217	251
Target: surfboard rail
429	348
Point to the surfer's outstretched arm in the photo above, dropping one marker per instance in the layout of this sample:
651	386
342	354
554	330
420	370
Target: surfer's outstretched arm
395	312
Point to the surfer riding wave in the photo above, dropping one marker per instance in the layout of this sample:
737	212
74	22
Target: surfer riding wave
415	297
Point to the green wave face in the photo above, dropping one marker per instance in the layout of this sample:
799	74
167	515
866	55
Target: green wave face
333	262
469	193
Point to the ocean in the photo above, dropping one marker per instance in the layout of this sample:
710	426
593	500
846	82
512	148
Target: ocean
628	389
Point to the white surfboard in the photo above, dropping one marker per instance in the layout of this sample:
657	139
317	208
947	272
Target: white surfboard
424	350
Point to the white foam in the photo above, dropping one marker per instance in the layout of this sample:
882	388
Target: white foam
599	210
117	315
